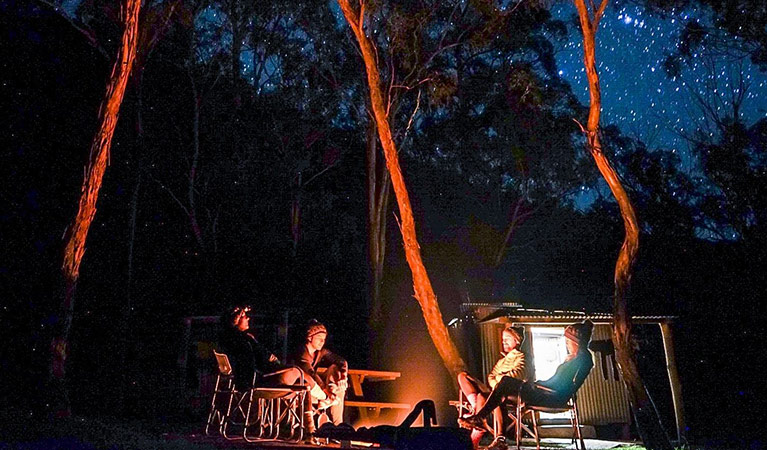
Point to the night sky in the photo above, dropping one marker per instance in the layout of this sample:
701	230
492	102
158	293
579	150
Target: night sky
637	95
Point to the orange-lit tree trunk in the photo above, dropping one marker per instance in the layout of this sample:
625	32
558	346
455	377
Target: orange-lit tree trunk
379	187
421	283
77	232
644	411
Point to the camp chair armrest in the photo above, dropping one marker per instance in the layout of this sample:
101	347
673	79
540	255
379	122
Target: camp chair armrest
543	388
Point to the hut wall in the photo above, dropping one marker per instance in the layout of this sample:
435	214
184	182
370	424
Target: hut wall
603	398
490	338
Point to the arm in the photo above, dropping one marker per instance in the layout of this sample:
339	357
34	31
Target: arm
496	374
569	375
266	361
304	362
517	366
543	388
511	365
328	358
583	371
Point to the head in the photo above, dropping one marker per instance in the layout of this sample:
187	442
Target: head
578	335
316	334
237	317
512	338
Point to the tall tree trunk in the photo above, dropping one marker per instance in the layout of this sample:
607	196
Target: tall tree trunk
421	283
77	232
378	183
517	217
237	34
295	214
127	306
190	193
648	422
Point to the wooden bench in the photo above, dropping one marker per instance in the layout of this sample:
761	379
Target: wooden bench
375	407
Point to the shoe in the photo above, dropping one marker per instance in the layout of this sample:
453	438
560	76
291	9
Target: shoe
473	422
311	440
499	443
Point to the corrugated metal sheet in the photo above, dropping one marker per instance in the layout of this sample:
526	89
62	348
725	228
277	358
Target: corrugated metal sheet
515	312
480	310
490	338
603	398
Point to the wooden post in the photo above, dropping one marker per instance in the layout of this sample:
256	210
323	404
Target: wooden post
284	332
673	378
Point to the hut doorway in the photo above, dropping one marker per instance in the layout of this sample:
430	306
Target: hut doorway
549	352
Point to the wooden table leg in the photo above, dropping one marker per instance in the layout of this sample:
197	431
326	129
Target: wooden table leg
357	384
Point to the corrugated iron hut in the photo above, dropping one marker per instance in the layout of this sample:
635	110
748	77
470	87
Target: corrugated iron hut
602	400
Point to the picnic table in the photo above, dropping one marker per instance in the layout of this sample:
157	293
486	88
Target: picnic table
369	409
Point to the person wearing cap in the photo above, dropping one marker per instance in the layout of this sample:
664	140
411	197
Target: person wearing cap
555	391
511	364
248	356
329	389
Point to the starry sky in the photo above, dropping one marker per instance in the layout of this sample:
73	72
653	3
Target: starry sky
637	95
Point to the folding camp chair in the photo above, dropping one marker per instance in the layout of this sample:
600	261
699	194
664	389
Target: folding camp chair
464	408
224	394
511	413
533	410
275	412
462	405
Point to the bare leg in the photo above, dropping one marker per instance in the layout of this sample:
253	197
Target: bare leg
336	378
471	388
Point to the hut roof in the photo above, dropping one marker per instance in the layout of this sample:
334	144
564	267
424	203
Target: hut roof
514	312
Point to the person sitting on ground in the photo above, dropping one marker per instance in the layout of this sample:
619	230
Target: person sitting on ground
511	364
248	356
329	388
555	391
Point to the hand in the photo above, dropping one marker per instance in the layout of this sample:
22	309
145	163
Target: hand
330	401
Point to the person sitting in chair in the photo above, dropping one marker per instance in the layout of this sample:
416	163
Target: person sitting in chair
511	364
329	388
555	391
248	356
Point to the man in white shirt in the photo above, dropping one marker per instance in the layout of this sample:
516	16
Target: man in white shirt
511	364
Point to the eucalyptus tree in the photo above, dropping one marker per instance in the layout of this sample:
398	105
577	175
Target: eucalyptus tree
77	232
508	130
381	105
735	30
647	418
421	60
